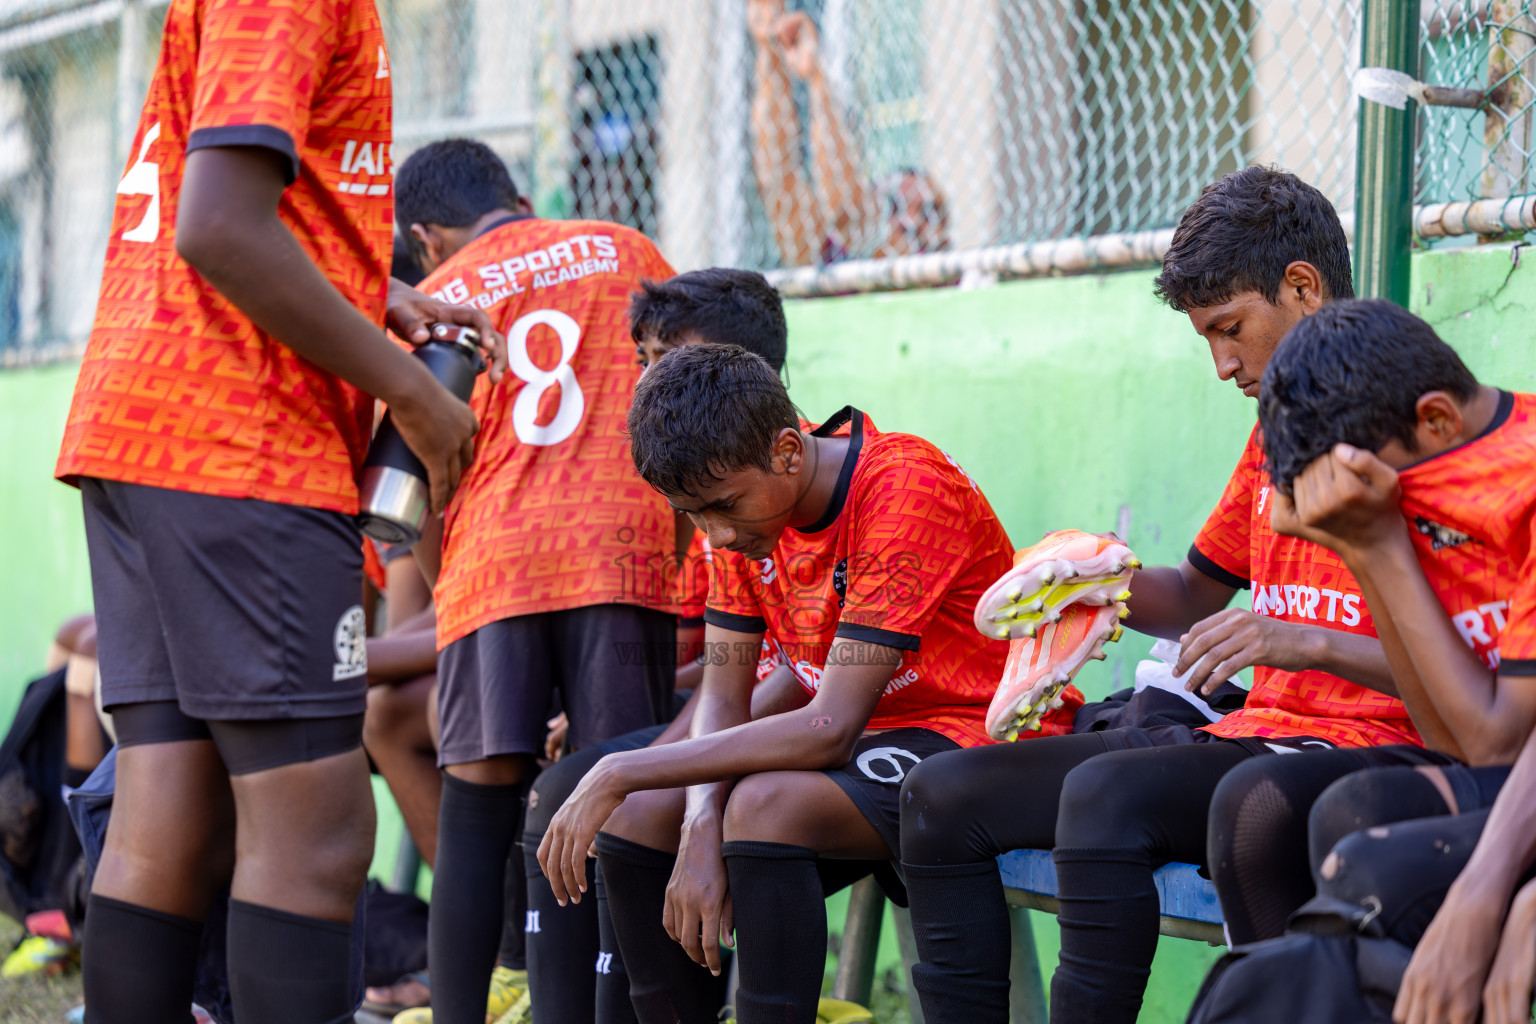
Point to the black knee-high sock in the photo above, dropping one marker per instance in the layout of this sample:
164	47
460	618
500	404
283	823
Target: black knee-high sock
1108	918
514	939
613	1005
562	945
139	963
665	986
960	922
286	968
781	926
475	829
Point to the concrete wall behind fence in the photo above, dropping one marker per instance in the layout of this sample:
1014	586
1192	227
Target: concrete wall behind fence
1072	402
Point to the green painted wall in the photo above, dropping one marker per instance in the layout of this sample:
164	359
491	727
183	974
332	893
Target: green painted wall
1072	402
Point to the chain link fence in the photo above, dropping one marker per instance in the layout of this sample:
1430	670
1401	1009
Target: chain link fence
769	134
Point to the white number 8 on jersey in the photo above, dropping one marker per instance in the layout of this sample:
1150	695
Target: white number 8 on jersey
525	410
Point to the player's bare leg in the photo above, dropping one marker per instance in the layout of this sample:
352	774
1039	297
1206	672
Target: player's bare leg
398	736
169	846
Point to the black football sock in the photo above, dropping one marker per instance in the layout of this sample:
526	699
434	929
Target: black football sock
665	986
960	922
1107	938
139	964
286	968
475	829
781	929
613	1005
561	943
514	942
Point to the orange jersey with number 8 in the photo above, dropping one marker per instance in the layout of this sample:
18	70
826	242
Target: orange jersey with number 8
551	514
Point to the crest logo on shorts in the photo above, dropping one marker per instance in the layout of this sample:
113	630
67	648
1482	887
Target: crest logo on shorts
351	644
884	764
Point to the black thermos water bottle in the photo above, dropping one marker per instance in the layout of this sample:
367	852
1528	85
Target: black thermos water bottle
395	496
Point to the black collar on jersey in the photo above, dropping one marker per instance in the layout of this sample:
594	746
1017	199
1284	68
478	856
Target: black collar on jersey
1500	416
508	219
855	443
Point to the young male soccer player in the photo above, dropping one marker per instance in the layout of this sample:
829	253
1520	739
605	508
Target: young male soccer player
220	416
862	556
547	548
565	943
1257	252
1386	449
1358	376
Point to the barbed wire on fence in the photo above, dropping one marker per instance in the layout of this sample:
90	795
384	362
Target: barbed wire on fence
813	133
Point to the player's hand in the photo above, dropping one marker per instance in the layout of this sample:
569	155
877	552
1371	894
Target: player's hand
411	314
800	41
1218	647
563	852
440	430
1507	994
698	907
1444	981
762	16
1347	499
559	728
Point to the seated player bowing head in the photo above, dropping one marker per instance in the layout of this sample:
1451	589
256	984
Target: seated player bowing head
1258	252
863	557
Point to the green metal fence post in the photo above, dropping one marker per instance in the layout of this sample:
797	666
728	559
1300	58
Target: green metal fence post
1384	176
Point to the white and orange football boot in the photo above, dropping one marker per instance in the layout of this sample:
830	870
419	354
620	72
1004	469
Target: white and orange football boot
1064	568
1040	666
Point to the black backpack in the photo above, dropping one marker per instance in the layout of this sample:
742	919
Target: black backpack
1329	968
40	863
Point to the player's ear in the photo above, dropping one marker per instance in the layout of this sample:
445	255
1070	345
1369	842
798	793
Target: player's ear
1304	283
525	205
1439	422
789	451
433	245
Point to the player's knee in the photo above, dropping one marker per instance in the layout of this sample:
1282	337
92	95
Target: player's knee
1354	869
760	808
650	818
385	717
552	789
1348	805
1098	806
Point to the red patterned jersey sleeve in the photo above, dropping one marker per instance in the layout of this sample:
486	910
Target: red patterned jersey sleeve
911	543
693	581
259	66
1517	640
1222	547
732	603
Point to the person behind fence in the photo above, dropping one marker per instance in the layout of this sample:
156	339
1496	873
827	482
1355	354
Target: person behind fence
1258	252
221	414
1385	449
1361	377
838	212
547	549
861	556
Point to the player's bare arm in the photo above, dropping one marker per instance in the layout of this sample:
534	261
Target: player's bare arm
1445	980
1348	500
698	904
819	735
228	230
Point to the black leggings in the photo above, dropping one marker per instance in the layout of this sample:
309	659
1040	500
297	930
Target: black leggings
1112	817
1258	852
1367	851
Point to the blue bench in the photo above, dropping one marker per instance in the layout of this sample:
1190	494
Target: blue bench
1190	908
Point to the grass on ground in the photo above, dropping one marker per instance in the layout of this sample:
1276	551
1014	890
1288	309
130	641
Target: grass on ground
35	999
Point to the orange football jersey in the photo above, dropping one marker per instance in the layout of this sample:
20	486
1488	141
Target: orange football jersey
178	389
905	550
1298	581
693	580
551	514
1472	512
